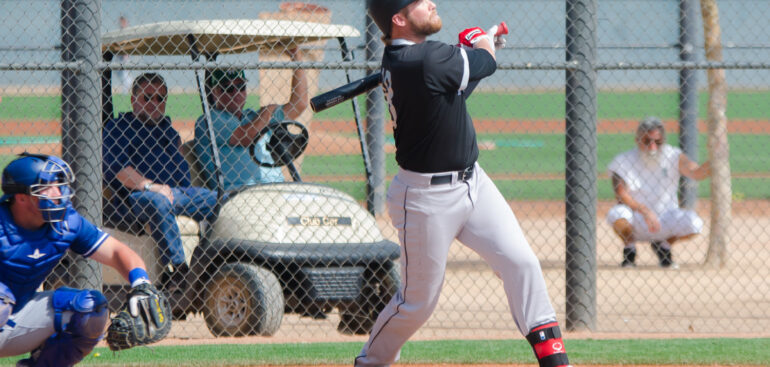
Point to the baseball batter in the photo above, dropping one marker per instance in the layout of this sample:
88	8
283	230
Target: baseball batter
440	192
37	226
646	180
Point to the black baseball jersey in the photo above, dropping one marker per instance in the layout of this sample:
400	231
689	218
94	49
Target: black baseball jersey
426	85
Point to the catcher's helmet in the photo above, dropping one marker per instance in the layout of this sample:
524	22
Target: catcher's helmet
382	11
33	174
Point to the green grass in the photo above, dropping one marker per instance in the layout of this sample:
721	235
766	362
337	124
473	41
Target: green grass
546	105
612	105
712	351
743	189
517	154
526	154
545	154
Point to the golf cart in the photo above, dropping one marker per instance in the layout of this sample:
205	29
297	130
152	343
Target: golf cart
308	249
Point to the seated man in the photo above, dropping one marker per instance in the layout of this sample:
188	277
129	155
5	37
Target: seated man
37	226
235	128
148	174
645	181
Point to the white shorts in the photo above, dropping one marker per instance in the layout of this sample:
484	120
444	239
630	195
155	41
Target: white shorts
673	223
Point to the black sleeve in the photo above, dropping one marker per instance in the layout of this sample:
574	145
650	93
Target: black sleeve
481	64
449	68
469	89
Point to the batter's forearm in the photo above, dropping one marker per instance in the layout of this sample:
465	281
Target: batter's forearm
486	44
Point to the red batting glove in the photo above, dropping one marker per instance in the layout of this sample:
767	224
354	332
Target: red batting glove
471	36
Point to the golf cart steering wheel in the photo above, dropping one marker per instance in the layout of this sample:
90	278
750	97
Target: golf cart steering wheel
287	142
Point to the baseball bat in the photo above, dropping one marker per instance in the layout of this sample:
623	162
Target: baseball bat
499	29
356	87
344	93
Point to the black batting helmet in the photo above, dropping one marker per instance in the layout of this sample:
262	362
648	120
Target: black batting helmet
382	11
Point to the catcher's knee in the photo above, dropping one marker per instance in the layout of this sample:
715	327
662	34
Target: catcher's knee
77	338
90	325
90	312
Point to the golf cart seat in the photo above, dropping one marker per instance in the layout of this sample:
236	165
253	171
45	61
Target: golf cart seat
188	152
137	236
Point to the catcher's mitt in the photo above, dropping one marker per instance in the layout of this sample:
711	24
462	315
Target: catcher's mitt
144	319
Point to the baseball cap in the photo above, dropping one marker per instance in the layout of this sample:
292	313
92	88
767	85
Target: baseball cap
382	12
225	76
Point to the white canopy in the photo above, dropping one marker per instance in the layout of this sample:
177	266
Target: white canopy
226	36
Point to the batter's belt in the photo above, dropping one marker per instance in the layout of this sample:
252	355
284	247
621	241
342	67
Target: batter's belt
462	175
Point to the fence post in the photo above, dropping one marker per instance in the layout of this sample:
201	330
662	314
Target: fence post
581	159
375	126
81	120
688	99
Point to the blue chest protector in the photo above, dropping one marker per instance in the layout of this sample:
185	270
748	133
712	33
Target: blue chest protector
27	257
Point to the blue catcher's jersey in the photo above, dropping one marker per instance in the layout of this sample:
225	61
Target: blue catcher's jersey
27	257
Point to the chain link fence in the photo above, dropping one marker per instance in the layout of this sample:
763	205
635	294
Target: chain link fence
252	252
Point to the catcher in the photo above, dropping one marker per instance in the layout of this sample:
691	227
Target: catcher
37	226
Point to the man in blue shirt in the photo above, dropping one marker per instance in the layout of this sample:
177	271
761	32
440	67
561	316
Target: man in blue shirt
37	226
148	174
235	128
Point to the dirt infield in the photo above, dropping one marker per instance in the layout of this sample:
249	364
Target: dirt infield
692	302
643	302
339	136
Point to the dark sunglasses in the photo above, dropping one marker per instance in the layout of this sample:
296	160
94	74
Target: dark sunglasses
232	88
158	98
646	141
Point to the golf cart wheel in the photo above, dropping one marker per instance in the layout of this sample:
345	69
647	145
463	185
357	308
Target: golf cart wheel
243	299
359	318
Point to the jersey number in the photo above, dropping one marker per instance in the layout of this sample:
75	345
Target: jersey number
387	86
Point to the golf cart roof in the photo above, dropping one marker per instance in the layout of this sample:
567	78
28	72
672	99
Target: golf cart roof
224	36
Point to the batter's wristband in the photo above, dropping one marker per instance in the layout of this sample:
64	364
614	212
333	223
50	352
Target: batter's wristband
138	276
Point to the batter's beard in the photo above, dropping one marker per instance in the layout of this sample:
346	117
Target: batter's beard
431	26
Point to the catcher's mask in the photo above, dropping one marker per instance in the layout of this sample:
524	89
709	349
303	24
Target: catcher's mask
34	174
